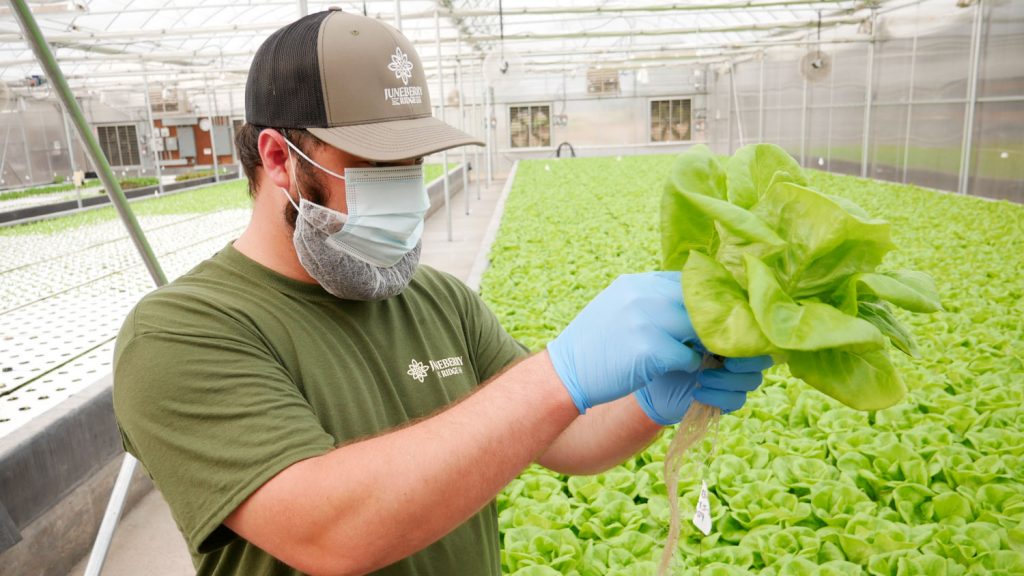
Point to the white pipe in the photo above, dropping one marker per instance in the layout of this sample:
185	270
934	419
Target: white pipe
736	102
462	126
220	31
760	101
106	534
803	126
972	96
831	107
910	104
444	155
660	48
153	136
213	137
489	115
28	153
71	154
866	141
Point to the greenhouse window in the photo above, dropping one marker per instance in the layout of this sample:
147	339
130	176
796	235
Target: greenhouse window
120	144
530	126
670	120
602	81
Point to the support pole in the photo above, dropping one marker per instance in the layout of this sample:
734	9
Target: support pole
831	101
462	123
760	102
213	133
444	155
972	99
303	8
736	101
153	135
477	123
3	156
866	140
71	155
803	127
910	103
231	123
24	143
489	140
728	116
45	56
49	157
398	15
92	147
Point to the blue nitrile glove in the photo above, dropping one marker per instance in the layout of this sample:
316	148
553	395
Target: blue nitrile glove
667	398
631	333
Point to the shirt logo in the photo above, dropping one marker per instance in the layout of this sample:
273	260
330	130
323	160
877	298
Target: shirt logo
401	66
418	370
444	368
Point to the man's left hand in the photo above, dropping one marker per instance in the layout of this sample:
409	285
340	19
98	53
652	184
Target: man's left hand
666	399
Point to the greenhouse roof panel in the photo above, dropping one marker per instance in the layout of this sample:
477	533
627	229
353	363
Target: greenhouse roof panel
95	40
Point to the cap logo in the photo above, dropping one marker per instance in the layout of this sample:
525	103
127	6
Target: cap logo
401	66
404	94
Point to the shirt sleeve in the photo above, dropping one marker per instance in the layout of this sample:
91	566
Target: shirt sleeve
492	347
211	416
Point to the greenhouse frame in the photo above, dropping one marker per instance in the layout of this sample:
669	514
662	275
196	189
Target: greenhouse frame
120	172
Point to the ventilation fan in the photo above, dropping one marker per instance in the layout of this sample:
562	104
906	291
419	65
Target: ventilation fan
816	65
501	66
453	97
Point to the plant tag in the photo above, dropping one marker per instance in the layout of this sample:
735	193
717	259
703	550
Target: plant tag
702	517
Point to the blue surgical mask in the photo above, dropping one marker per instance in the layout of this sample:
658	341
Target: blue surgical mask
386	208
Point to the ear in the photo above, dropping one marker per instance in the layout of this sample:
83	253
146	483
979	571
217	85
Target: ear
274	156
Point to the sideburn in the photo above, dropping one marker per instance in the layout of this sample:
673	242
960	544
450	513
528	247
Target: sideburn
310	188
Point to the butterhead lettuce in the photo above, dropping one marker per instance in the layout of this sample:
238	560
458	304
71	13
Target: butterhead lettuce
773	266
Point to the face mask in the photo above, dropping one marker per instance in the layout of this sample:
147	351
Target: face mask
386	207
338	271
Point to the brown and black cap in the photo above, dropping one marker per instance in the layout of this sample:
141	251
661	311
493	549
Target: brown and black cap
354	82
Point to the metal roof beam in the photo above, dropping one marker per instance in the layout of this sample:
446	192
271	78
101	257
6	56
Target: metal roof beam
177	58
257	27
638	8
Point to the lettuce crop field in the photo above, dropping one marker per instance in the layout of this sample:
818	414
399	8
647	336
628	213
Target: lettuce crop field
800	485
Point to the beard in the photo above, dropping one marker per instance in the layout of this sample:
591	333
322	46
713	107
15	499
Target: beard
341	274
310	187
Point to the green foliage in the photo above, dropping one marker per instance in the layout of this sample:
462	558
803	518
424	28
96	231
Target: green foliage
129	183
432	172
198	174
126	184
773	266
800	483
41	190
207	199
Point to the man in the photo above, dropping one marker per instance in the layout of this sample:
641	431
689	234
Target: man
311	400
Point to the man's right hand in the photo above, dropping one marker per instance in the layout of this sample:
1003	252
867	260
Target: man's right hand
628	335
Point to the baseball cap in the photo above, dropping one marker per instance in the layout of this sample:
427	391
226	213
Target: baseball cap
352	81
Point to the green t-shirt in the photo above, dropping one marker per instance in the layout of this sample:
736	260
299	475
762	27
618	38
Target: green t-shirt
233	372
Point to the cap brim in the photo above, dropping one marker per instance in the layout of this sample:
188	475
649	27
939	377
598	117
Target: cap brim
395	139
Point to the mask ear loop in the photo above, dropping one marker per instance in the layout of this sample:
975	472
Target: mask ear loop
295	183
310	160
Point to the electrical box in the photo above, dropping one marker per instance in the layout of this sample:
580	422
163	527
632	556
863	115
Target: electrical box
171	144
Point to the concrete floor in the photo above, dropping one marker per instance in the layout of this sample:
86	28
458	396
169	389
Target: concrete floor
147	540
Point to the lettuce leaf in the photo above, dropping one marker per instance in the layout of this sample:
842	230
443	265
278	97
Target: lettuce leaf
773	266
